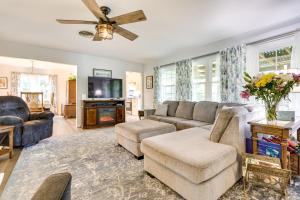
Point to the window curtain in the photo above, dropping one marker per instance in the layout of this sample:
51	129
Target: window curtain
183	80
156	84
232	68
295	63
53	85
15	83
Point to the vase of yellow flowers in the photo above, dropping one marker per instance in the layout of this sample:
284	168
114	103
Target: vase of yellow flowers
271	88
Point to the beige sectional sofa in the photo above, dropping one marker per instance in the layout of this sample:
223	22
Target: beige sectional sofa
189	161
186	114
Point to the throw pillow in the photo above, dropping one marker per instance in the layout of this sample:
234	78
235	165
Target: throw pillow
161	110
222	121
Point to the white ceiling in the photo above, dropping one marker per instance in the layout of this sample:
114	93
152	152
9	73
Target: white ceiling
171	24
35	64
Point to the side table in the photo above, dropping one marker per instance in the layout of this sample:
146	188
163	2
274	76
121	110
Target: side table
282	129
8	149
141	114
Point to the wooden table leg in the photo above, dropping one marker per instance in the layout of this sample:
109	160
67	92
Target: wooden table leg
254	142
11	143
298	135
284	145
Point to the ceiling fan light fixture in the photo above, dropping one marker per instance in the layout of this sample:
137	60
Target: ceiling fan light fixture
105	31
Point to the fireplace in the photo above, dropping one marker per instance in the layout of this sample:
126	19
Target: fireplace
106	116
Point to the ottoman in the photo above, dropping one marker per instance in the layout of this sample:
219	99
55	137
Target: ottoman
129	135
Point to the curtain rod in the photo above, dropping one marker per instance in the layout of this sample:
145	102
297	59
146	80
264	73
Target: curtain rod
204	55
268	39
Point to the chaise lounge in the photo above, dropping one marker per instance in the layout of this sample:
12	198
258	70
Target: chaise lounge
200	163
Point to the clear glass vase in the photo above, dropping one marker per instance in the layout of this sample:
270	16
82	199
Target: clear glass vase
271	112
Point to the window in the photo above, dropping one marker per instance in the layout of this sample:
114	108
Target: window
206	79
274	56
36	83
168	83
275	59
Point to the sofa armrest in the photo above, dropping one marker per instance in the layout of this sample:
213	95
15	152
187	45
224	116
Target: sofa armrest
148	112
55	187
42	115
10	120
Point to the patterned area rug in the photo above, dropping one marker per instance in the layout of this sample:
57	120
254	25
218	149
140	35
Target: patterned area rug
100	170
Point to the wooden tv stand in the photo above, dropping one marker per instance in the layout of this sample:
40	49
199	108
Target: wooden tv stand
100	113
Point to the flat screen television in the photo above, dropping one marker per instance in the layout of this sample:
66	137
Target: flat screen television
99	87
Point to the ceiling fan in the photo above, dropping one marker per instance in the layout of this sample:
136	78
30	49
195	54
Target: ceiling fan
105	26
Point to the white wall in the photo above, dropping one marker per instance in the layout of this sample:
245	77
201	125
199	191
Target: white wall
85	64
214	47
62	77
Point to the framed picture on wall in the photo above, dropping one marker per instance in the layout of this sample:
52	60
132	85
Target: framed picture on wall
102	73
149	82
3	82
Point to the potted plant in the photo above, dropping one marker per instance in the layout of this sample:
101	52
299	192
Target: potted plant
271	88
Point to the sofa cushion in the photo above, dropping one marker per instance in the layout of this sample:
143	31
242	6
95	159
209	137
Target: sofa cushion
223	119
205	111
189	124
172	107
172	120
185	110
161	110
138	130
189	153
154	117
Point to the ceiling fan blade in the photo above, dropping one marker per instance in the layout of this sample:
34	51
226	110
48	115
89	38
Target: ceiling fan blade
95	9
132	17
125	33
63	21
97	38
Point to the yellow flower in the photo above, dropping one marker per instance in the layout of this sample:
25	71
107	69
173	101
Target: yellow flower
264	80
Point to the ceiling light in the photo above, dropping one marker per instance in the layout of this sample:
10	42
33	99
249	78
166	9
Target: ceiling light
105	31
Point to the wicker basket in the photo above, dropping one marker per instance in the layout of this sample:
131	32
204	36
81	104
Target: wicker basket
295	163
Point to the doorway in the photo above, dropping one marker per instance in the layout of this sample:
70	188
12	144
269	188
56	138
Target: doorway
133	94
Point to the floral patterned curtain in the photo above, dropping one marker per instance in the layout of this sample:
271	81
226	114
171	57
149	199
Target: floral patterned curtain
232	67
15	83
156	84
296	52
184	80
53	84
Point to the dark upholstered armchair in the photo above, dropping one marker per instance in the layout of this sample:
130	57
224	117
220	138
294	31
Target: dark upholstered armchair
30	128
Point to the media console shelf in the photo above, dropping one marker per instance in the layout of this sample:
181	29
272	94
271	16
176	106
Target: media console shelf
99	113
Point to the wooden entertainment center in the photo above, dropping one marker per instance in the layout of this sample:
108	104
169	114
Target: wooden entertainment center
99	113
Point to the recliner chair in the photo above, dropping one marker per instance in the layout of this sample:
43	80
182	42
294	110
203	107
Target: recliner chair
30	128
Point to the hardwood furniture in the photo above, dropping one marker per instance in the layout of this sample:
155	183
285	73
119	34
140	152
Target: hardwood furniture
283	129
69	109
141	114
8	149
265	171
34	100
71	91
99	113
